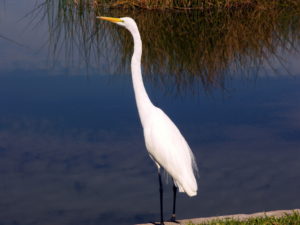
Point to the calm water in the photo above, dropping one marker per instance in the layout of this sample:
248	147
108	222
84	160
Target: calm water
71	145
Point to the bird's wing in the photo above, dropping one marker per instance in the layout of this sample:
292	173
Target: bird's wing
169	149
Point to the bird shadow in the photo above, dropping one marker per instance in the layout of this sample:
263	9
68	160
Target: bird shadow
168	221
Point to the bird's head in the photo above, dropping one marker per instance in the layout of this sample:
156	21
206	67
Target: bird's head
126	22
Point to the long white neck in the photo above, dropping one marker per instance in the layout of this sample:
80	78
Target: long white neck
143	102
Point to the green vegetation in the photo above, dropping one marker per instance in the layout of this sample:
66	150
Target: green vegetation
288	219
190	4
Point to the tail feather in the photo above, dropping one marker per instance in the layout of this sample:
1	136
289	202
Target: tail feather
187	183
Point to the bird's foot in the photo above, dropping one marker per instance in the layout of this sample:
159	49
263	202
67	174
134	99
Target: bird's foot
157	223
173	219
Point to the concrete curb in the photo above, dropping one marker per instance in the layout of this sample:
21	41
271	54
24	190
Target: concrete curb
277	213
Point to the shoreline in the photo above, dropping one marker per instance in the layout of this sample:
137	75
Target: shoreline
275	213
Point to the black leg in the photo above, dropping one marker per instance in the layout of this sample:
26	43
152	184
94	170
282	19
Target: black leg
161	199
173	217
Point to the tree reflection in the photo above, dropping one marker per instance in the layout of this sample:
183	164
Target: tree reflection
183	47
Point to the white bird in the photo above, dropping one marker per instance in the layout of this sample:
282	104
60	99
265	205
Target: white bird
164	142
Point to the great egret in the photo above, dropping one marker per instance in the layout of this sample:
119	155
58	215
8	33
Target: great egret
164	142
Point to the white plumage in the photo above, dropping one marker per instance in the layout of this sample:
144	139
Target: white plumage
164	142
168	148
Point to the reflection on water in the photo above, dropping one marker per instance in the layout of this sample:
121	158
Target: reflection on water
182	47
71	147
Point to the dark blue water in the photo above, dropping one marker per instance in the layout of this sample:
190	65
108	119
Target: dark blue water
72	150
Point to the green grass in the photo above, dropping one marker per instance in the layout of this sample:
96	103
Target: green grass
288	219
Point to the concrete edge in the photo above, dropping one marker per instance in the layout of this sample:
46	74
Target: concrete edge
276	213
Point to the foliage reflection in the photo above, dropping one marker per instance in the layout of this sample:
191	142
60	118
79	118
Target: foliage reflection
177	46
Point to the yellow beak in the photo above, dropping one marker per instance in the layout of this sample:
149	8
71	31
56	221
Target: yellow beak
110	19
